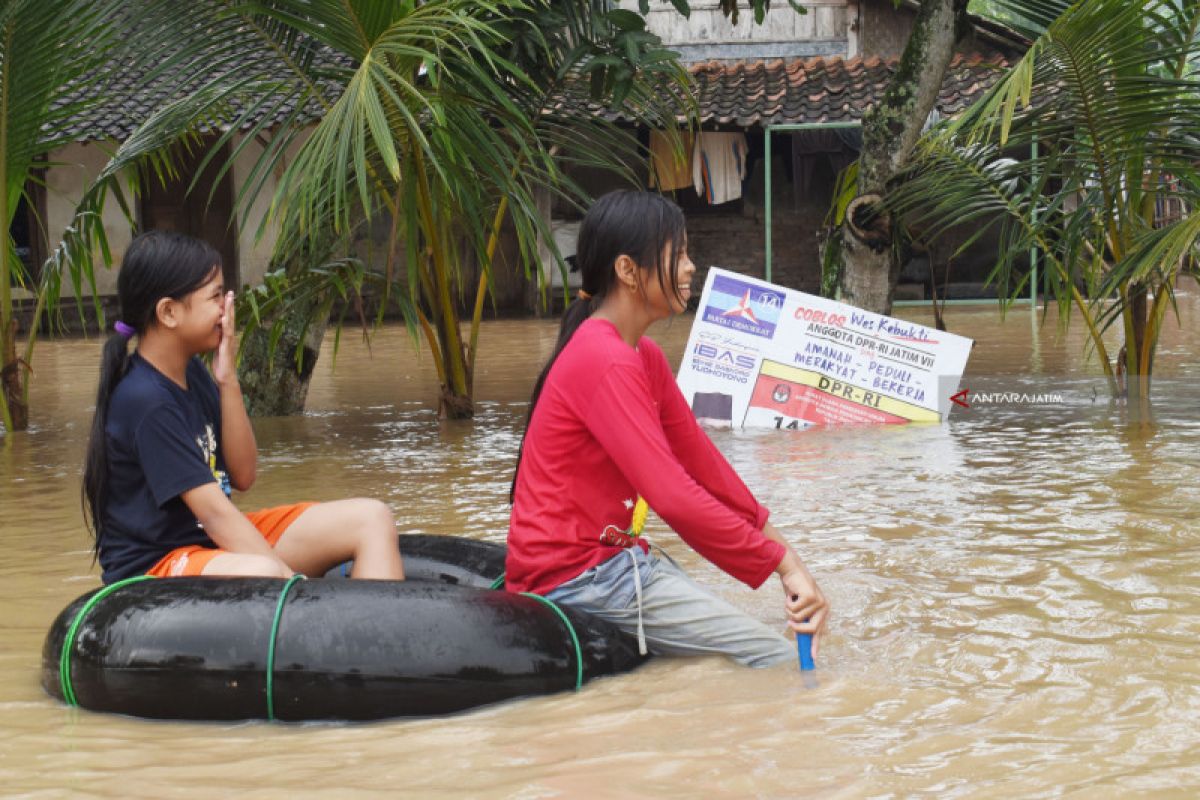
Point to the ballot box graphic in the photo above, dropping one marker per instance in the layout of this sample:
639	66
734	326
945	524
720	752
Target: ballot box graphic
787	397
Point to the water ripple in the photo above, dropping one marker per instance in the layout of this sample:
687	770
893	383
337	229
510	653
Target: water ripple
1016	596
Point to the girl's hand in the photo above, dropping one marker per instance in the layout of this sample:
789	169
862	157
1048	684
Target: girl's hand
807	608
223	366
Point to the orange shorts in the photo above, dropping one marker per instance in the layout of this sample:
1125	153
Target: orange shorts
193	558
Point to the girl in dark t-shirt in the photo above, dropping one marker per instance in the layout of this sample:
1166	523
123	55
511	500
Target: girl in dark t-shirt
169	442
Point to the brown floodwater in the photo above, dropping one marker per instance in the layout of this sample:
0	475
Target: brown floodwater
1016	595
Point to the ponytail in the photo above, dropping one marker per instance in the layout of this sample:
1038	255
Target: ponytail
638	224
114	363
157	264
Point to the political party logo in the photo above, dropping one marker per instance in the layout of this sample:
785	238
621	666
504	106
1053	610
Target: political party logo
744	307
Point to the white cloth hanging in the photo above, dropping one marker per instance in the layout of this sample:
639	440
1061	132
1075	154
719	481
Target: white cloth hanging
719	166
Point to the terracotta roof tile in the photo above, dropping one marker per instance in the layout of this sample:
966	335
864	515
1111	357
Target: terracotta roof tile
743	93
757	93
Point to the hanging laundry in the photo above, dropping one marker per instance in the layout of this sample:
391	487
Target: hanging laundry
667	171
719	166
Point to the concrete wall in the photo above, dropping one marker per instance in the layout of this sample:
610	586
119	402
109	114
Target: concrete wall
884	29
254	250
76	166
254	253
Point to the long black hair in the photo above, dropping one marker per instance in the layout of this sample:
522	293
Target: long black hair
158	264
645	226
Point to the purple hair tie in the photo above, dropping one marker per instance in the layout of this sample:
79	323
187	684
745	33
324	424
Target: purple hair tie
125	330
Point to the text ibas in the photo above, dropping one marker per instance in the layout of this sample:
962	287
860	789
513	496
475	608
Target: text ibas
721	362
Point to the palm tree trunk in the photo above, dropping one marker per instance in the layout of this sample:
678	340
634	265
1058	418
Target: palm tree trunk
274	382
481	289
455	401
890	131
14	411
1139	384
870	270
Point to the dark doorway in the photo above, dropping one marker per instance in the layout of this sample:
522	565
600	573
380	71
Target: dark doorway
27	230
172	207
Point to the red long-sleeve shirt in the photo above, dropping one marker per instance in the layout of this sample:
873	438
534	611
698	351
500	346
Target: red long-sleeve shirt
611	424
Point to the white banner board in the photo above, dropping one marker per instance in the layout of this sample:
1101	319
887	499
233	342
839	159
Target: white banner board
760	355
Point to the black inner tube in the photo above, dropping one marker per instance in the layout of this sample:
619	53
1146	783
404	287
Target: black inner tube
196	648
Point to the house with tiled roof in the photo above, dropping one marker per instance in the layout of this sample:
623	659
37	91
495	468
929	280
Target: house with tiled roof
825	66
756	82
199	203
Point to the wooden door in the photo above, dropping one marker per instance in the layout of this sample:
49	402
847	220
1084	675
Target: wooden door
172	207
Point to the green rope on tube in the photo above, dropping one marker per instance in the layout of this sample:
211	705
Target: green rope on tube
570	630
287	587
64	658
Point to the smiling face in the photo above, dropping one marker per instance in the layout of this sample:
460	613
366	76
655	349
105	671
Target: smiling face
197	317
662	301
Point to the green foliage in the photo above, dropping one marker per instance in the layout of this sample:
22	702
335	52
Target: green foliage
844	191
1030	17
60	59
301	292
439	118
1109	97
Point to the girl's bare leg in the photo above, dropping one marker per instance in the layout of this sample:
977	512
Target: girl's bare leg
244	565
327	534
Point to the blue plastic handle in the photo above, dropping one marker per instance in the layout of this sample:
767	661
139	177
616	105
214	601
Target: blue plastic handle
804	649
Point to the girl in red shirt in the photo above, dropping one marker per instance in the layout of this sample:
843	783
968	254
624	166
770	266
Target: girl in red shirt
608	423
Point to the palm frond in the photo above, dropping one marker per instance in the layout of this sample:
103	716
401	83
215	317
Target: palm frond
1108	96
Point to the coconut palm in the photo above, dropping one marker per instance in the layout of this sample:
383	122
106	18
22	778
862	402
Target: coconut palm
58	59
62	59
439	118
1101	115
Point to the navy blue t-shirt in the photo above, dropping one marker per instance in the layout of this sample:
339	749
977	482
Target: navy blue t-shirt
162	441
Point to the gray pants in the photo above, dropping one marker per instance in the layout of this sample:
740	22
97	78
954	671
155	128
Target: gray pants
679	617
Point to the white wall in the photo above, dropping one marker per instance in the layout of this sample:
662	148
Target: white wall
76	166
566	235
254	251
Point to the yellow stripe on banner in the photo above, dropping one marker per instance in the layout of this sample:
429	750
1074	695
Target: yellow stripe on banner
855	394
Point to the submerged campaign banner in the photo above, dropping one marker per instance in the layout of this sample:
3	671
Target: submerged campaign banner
760	355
